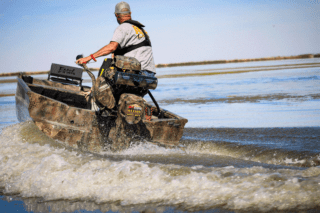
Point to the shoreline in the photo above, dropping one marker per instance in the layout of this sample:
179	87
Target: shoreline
303	56
236	71
192	63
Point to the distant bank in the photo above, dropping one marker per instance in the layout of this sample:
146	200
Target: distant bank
238	60
193	63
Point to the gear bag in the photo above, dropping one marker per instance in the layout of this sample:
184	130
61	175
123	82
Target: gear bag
127	63
121	63
131	108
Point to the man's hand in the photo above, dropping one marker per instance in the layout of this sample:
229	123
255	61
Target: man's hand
83	60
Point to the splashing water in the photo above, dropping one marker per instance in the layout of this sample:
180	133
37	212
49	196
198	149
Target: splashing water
35	166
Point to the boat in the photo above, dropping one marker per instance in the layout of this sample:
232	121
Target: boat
75	115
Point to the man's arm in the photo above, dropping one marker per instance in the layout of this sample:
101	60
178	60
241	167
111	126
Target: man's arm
111	47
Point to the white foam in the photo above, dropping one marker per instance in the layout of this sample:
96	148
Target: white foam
145	148
35	170
294	161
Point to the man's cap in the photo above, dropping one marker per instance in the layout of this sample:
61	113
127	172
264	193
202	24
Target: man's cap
122	7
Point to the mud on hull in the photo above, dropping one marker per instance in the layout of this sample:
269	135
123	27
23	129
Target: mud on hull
64	113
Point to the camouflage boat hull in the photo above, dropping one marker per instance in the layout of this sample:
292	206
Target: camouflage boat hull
63	113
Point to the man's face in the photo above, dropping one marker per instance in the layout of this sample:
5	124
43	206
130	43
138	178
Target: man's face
118	18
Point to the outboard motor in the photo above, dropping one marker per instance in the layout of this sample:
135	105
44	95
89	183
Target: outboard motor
122	77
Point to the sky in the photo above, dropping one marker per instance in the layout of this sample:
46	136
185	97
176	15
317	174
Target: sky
36	33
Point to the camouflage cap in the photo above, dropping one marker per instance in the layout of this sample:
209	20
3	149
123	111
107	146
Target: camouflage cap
122	7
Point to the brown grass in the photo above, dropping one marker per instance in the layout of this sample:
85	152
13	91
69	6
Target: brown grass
33	73
5	95
238	60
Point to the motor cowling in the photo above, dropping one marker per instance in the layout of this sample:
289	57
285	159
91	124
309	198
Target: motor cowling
131	108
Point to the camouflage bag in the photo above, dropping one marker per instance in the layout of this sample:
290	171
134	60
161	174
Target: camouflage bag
104	93
131	108
127	63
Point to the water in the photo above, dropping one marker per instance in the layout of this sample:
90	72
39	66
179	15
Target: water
251	145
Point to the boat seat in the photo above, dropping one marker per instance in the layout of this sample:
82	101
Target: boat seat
65	74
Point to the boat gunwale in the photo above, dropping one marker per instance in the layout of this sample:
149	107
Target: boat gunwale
173	116
27	90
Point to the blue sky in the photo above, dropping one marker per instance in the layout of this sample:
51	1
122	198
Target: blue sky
36	33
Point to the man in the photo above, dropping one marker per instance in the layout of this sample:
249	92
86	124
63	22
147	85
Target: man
129	39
